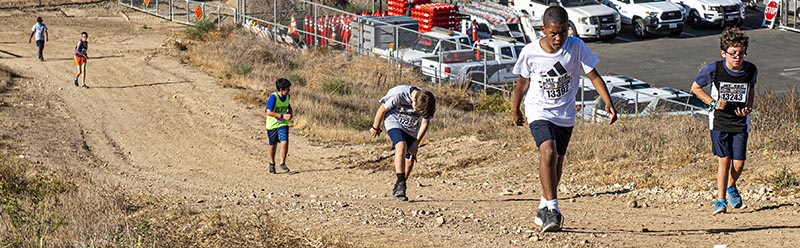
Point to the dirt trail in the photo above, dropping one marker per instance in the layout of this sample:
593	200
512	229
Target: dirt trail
152	124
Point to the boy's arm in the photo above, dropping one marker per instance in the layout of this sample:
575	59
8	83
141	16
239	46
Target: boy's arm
46	36
519	91
423	128
31	38
270	106
600	87
701	94
375	129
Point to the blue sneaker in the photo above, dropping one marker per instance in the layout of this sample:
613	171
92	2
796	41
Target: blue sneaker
719	207
734	197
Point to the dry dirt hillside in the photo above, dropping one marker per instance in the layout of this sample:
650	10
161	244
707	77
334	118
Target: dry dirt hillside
156	129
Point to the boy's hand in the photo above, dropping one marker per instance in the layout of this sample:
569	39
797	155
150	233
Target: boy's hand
518	118
742	112
287	116
374	132
612	114
721	104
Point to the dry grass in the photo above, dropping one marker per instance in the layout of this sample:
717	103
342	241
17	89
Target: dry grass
335	97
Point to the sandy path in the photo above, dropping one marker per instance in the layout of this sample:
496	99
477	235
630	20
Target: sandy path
152	124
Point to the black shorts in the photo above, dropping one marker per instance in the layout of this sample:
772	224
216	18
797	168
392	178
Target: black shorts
545	130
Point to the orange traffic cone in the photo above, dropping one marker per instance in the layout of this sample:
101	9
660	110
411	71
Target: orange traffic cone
293	26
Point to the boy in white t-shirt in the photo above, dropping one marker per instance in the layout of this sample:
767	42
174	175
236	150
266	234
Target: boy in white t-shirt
39	30
549	71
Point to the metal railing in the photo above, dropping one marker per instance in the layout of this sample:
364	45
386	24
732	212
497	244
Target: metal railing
185	11
273	23
789	15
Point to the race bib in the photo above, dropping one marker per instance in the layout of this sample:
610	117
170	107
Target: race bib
733	92
555	87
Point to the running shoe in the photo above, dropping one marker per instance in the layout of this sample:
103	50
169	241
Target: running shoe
719	207
552	221
734	197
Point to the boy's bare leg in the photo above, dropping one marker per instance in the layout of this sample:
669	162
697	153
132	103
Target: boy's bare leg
559	171
77	76
284	151
83	69
736	171
272	154
548	169
723	170
409	166
400	157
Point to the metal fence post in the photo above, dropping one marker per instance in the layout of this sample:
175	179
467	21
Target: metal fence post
485	71
275	16
187	12
219	17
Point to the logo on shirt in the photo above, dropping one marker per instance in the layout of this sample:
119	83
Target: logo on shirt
555	83
733	92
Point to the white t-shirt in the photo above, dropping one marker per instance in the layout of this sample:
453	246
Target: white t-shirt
39	29
554	79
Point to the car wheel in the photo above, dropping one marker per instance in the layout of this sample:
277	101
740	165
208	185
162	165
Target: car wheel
694	19
676	32
639	29
572	31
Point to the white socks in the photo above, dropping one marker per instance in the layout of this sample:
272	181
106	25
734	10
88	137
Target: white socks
542	203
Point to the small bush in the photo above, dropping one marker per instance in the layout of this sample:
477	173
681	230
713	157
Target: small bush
296	79
200	29
785	179
241	69
30	204
338	87
494	103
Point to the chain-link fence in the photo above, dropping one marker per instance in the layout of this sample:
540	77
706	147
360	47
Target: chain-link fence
442	56
185	11
789	15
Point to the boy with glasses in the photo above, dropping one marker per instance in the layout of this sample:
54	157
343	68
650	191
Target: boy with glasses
732	96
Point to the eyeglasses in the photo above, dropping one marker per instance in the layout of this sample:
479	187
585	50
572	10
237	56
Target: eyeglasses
736	55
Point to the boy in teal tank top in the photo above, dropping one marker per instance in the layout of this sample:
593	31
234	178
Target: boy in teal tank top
279	112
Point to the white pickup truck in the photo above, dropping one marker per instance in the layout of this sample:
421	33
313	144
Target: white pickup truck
491	66
648	16
587	18
713	12
432	43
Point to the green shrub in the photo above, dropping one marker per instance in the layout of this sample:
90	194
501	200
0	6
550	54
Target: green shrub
200	29
338	87
494	103
241	69
785	179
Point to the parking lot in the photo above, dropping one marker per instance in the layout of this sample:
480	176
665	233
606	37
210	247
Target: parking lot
673	61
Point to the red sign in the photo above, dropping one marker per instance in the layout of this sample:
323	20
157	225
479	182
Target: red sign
198	12
771	10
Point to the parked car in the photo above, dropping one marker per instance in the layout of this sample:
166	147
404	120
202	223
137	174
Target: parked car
491	63
648	16
649	101
713	12
432	43
587	18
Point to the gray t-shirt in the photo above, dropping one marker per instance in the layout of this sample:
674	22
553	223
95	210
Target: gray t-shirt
401	110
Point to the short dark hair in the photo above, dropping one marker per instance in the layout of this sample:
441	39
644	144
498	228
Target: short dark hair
84	33
39	19
733	37
425	103
282	83
555	15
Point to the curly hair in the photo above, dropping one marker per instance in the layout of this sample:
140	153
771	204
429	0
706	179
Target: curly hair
733	37
426	103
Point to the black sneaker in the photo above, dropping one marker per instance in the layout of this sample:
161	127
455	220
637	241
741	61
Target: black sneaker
552	221
540	213
271	168
75	82
284	168
399	193
84	86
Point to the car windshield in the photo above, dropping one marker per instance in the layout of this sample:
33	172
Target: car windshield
425	44
588	95
577	3
686	103
623	106
647	1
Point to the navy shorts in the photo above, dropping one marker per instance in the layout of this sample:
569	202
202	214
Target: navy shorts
544	130
397	135
39	43
729	144
279	134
